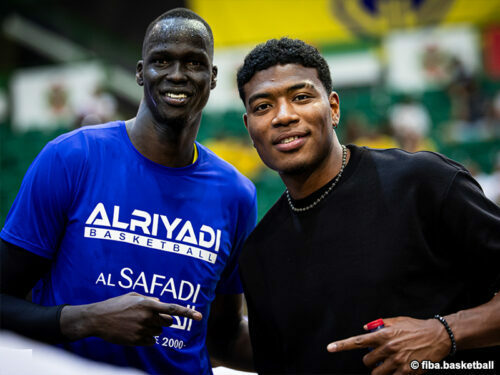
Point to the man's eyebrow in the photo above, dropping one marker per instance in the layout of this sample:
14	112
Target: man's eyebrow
201	55
158	52
301	85
262	95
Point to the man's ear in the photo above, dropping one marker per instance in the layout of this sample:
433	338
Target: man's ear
335	107
138	73
213	83
245	120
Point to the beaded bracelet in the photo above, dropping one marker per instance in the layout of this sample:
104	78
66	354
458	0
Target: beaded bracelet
453	349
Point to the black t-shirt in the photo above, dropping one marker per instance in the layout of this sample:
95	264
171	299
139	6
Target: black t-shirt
400	235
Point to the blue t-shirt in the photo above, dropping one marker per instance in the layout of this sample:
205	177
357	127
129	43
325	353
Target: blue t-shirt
113	222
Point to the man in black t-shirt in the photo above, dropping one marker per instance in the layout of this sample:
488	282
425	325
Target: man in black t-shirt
360	234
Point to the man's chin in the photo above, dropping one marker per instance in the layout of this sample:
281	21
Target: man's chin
173	120
295	170
292	169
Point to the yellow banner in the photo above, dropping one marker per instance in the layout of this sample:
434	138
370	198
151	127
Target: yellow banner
237	22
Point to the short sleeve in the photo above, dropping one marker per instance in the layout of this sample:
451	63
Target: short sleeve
474	224
37	217
230	282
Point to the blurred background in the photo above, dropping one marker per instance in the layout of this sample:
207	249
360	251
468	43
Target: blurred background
415	74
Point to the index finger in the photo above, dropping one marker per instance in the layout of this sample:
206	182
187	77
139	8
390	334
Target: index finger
174	309
355	342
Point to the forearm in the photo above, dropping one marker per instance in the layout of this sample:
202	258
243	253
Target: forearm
31	320
242	350
76	322
53	324
477	327
234	352
19	271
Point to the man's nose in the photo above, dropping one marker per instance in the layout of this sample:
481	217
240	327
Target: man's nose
285	114
176	72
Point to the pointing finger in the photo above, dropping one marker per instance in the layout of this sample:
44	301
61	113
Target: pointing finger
174	309
166	320
351	343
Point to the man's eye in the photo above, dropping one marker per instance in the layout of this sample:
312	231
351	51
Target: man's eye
194	63
302	97
160	62
261	107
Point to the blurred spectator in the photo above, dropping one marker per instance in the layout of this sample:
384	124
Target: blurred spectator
99	109
359	133
60	108
434	63
468	105
411	123
492	118
354	126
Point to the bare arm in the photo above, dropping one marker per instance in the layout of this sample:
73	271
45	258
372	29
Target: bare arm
228	340
477	327
405	339
130	319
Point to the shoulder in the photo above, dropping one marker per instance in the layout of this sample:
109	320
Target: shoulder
226	176
79	142
426	175
419	164
72	152
89	133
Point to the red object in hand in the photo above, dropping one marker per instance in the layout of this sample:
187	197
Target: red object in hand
375	325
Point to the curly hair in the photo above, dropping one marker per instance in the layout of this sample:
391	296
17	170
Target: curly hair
279	52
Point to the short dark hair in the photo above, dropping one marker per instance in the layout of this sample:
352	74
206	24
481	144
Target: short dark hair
180	13
280	52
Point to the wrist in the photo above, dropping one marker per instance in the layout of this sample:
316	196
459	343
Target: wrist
76	322
448	335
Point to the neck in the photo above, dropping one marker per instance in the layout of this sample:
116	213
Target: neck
168	144
304	184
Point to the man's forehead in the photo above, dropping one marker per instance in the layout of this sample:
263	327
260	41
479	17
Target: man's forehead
285	75
178	26
178	30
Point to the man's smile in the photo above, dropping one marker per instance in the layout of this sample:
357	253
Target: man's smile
290	141
176	98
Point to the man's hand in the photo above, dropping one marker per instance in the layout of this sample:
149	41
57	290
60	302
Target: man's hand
130	319
401	341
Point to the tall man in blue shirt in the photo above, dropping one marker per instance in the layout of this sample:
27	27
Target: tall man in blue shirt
129	232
